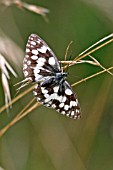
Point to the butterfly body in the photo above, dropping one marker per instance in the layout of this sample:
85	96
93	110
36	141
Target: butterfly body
40	65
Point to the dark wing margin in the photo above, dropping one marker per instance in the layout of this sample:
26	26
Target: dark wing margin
39	61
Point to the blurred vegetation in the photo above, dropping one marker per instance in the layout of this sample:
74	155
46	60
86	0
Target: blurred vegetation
46	140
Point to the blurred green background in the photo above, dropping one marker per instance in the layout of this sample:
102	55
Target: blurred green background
46	140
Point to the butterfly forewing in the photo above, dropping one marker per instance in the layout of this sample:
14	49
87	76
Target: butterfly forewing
40	65
39	61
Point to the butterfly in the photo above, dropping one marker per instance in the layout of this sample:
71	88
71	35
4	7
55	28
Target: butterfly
41	66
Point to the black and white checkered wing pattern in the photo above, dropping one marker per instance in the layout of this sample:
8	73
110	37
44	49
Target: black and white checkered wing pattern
40	65
39	62
59	97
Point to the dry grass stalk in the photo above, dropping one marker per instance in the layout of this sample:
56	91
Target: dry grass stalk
92	49
19	116
11	53
94	75
5	67
1	168
6	57
16	98
30	7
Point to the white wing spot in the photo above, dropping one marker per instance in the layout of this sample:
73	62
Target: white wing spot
64	99
41	59
38	98
25	73
25	66
51	61
29	62
40	64
66	107
72	113
77	111
56	88
50	102
25	59
35	93
38	77
27	56
35	52
53	106
46	95
47	105
34	57
73	103
76	117
63	112
68	92
36	71
33	43
38	41
27	50
42	49
47	100
59	98
61	105
36	86
67	114
44	91
52	97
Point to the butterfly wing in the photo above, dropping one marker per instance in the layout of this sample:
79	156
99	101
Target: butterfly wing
41	65
40	62
59	97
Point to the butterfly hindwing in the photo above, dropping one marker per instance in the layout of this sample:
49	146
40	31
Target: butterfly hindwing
59	97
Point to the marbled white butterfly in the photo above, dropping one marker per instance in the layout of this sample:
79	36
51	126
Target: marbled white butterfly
40	65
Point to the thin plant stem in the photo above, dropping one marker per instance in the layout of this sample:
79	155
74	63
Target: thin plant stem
25	108
100	65
89	77
92	51
19	116
95	44
87	52
16	99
